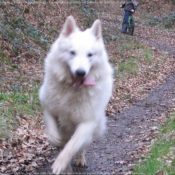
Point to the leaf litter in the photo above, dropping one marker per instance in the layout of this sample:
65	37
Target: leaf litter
26	150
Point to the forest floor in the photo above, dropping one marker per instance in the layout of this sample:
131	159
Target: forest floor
143	96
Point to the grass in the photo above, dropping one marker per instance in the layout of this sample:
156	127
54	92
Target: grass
162	155
132	54
129	44
126	96
15	105
128	66
148	55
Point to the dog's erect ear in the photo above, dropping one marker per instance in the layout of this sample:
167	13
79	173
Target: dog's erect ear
69	26
96	29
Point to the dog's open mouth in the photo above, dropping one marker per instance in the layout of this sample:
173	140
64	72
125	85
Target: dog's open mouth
79	82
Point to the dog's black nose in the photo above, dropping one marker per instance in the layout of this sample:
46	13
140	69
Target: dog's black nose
80	73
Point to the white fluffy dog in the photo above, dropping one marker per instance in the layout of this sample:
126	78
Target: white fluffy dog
76	90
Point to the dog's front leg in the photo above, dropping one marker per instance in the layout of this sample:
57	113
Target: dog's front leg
83	136
53	134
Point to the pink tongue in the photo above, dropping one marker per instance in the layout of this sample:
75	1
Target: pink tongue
88	82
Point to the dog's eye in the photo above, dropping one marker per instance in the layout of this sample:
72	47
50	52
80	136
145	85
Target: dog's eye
90	55
72	53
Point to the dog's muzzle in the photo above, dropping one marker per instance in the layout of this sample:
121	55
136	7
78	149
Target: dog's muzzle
81	79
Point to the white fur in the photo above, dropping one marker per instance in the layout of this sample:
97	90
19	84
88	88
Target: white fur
74	117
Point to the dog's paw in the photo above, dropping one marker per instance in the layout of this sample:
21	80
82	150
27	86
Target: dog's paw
80	162
56	169
59	167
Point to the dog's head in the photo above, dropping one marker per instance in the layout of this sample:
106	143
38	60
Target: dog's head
81	51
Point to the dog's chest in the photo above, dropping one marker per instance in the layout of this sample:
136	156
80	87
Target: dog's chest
74	106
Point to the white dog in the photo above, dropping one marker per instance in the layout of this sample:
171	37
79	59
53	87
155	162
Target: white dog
76	90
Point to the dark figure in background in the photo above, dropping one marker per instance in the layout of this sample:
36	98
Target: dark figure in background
129	7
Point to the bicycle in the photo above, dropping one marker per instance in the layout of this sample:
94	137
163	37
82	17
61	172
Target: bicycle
131	24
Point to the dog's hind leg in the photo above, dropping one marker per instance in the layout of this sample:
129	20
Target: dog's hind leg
80	160
82	136
53	133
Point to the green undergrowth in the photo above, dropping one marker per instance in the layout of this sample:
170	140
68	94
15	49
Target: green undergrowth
162	156
148	55
14	106
128	66
163	21
18	33
132	54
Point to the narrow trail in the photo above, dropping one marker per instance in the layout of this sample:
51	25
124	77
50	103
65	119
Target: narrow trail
157	38
131	131
162	46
